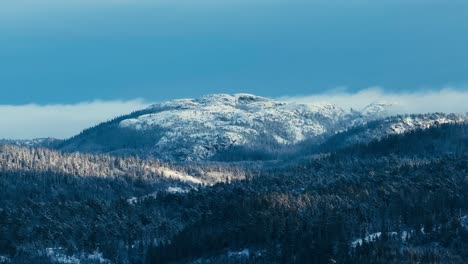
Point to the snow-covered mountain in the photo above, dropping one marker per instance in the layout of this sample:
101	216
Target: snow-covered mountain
38	142
392	125
198	129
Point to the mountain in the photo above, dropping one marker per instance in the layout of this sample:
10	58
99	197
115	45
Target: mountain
38	142
387	126
378	189
198	129
370	203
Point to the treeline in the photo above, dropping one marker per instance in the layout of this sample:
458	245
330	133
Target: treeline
109	137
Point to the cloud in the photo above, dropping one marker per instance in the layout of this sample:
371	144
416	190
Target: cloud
62	121
59	121
447	100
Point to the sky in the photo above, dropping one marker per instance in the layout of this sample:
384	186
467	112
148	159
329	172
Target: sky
121	55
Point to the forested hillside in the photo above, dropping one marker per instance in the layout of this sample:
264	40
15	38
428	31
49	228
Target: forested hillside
400	199
53	201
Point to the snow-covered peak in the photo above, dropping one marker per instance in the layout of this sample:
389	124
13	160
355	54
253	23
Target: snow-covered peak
327	109
213	100
377	108
196	129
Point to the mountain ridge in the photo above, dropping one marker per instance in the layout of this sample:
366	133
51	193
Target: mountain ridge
199	129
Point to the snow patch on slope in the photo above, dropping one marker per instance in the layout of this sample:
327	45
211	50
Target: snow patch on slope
59	256
177	175
5	260
404	236
464	222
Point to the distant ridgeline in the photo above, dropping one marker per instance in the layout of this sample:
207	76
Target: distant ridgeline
38	142
241	127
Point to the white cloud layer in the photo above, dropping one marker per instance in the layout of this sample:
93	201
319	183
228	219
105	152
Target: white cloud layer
62	121
59	121
447	100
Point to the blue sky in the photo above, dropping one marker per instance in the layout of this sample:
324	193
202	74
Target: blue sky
61	52
75	63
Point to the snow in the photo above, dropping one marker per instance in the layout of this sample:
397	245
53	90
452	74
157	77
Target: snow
245	253
177	190
58	255
404	236
132	201
196	129
4	260
464	222
232	255
408	123
368	238
380	108
199	128
172	174
38	142
172	189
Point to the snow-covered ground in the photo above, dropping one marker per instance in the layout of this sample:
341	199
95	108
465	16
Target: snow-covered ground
394	125
374	236
58	255
464	221
404	236
177	190
245	253
172	189
5	260
230	255
196	129
409	123
201	127
177	175
38	142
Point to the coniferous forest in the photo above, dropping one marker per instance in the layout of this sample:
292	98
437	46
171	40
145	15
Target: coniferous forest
233	132
400	199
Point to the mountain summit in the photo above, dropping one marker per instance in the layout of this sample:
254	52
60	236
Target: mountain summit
198	129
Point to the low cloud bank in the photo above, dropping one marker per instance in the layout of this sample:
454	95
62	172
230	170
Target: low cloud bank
447	100
63	121
59	121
